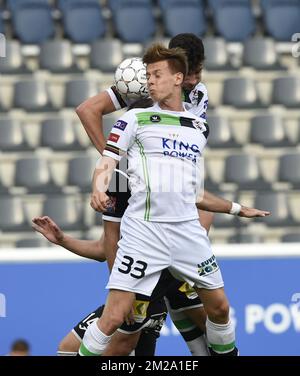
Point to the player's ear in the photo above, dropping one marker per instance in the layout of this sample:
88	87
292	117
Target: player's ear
179	78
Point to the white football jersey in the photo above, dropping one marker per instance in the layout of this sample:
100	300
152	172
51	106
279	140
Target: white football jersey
164	151
195	101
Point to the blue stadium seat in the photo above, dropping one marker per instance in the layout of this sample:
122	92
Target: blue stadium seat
191	16
134	22
33	23
235	21
89	17
265	4
282	19
167	4
64	4
115	4
215	4
12	5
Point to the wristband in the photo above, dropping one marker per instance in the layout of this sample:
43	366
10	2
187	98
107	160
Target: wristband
235	208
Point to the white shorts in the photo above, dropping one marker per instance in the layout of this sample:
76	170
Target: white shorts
146	248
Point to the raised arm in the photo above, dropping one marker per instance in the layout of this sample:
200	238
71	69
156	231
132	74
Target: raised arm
91	249
213	203
90	113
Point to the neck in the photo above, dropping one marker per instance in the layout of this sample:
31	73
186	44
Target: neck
171	104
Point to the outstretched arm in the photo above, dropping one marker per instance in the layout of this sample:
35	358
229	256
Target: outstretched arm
92	249
90	113
216	204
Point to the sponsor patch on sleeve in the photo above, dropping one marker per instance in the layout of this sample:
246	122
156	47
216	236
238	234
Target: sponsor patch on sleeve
120	124
113	137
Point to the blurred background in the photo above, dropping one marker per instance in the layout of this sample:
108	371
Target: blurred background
58	53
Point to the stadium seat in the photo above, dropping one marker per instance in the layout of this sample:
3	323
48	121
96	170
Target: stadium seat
13	4
220	133
32	95
33	23
277	204
134	22
3	188
216	55
90	19
57	56
286	91
234	21
191	16
78	91
215	4
106	55
12	216
59	134
164	4
13	63
80	172
289	169
12	136
291	238
32	243
240	92
268	130
246	238
244	171
34	175
2	31
282	19
64	4
66	211
260	53
115	4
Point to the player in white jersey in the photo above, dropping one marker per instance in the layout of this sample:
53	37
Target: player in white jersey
153	238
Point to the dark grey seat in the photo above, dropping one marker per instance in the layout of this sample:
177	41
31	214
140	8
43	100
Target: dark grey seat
57	56
240	92
80	172
66	211
246	238
12	136
32	243
216	55
286	91
260	53
34	174
268	130
106	54
13	63
32	96
244	171
78	91
291	238
289	169
277	203
220	133
3	188
59	134
12	216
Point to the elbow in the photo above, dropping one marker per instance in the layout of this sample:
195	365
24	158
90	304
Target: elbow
88	107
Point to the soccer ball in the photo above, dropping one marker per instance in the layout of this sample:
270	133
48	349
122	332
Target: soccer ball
130	79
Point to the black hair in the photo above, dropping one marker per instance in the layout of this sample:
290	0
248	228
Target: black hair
141	103
193	47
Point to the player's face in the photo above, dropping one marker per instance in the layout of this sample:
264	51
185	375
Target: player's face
192	79
162	81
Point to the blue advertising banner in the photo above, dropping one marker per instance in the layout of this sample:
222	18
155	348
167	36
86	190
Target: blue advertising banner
41	302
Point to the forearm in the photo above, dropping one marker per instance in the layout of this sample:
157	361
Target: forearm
213	203
90	113
90	249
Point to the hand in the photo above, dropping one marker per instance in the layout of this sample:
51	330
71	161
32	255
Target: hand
48	228
99	201
252	212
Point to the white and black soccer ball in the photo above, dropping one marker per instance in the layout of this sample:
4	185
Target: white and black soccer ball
130	79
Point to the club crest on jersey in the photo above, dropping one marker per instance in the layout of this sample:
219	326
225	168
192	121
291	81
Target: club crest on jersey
197	97
120	124
199	125
155	118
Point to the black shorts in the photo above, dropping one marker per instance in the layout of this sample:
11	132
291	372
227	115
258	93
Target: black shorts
119	194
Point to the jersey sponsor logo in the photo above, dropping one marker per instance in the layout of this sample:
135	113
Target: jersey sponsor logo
113	137
155	118
179	149
120	124
208	267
